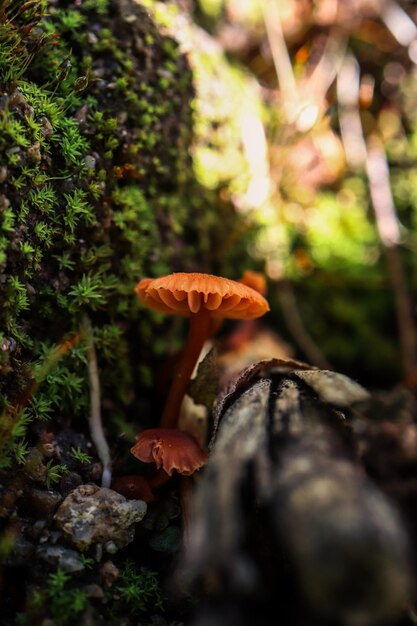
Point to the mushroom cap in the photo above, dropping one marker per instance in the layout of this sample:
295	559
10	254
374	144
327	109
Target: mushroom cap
187	293
169	448
255	280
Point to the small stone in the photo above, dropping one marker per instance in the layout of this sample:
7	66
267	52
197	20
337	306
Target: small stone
98	552
122	117
92	39
82	113
4	202
111	547
40	503
94	515
38	528
66	559
109	573
31	291
54	536
34	152
47	128
3	173
4	102
8	344
90	162
47	449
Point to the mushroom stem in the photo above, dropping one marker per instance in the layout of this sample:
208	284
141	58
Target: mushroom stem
199	331
159	479
186	492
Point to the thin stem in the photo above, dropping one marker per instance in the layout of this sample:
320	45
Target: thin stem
158	479
198	333
280	55
297	328
371	155
328	66
95	422
348	85
186	493
398	22
388	227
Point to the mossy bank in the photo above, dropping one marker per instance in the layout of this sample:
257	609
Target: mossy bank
95	122
97	190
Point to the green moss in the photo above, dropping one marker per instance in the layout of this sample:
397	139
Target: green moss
138	589
87	159
97	191
136	593
61	601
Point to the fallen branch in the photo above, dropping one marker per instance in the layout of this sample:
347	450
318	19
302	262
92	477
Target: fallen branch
285	521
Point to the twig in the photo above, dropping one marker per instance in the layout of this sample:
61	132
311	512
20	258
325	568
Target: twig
348	84
389	232
296	326
372	157
186	496
280	56
95	422
302	103
328	66
398	22
270	511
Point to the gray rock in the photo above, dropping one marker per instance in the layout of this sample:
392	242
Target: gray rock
92	515
66	559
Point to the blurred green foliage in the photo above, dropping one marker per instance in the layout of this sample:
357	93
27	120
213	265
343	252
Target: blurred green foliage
317	224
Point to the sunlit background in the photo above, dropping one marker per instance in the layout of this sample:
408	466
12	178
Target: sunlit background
306	119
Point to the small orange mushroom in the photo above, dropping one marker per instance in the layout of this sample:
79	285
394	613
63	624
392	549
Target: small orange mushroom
255	280
133	487
246	332
206	300
169	448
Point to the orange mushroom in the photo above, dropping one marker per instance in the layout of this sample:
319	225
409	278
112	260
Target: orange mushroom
169	448
246	332
206	300
133	487
255	280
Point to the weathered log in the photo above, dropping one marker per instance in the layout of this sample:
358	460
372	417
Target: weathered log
286	523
